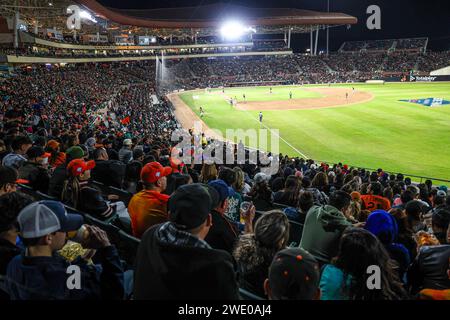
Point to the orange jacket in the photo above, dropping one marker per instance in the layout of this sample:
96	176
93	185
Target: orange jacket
146	209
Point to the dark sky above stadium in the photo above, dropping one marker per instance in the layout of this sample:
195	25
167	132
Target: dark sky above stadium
400	18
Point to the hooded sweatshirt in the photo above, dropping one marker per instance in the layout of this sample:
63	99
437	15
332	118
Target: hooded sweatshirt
322	231
384	226
173	264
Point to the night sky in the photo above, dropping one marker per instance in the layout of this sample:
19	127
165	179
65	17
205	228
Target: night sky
400	18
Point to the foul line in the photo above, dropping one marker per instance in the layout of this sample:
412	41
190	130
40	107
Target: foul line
276	134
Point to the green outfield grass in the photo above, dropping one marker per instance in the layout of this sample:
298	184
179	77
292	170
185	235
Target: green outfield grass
397	136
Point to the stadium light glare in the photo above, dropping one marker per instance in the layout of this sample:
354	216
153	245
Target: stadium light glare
233	30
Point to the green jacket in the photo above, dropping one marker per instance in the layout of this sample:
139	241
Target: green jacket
322	231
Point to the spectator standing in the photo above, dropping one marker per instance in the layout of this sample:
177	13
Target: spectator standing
125	153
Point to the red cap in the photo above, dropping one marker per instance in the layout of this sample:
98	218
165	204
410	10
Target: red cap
79	166
345	167
154	171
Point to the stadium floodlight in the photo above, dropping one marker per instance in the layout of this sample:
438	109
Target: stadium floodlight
233	30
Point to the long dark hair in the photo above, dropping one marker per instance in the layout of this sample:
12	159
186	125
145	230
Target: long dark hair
359	249
261	190
293	186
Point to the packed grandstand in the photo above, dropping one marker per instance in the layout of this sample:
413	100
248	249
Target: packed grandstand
88	177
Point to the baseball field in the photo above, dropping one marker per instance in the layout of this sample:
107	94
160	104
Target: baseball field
363	125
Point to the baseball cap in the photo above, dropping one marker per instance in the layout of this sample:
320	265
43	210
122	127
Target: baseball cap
127	142
75	152
153	171
222	189
443	188
190	205
294	275
10	175
37	151
261	177
90	142
44	217
79	166
441	193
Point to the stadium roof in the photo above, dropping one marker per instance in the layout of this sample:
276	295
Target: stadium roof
211	16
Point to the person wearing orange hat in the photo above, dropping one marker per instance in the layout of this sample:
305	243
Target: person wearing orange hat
56	158
77	193
149	206
35	169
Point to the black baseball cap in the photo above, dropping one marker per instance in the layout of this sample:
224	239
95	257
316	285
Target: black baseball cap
10	175
37	151
190	205
137	153
294	275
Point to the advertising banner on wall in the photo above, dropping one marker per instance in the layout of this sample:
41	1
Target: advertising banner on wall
413	78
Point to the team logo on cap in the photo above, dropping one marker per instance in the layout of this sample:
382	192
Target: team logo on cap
79	169
158	174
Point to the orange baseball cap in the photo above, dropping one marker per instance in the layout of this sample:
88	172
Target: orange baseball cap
79	166
154	171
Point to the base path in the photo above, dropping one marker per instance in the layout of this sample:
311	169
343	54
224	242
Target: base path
332	98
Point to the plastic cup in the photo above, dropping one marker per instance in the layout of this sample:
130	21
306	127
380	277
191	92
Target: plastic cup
245	207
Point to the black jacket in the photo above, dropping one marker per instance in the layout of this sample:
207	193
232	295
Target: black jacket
223	234
7	252
166	271
91	201
37	176
38	278
112	154
57	179
429	269
109	172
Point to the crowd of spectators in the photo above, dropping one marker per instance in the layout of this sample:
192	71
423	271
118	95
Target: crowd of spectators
308	231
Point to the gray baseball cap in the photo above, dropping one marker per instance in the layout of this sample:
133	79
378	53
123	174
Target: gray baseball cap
44	217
